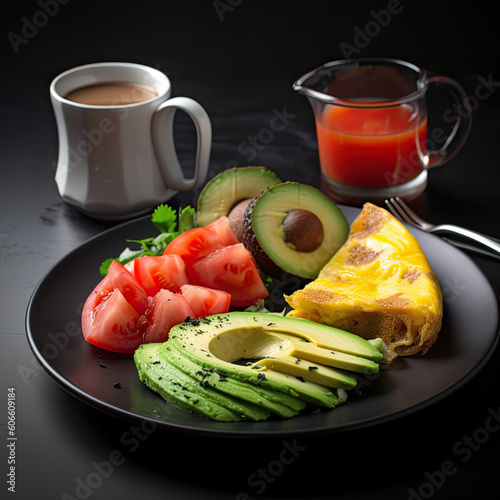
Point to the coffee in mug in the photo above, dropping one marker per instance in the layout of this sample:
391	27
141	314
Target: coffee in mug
112	94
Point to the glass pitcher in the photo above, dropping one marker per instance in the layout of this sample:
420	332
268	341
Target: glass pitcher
371	125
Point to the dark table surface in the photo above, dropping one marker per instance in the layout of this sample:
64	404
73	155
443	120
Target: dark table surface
238	59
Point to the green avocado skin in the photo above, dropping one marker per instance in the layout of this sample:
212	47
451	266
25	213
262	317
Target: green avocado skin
265	237
187	393
283	405
228	188
208	392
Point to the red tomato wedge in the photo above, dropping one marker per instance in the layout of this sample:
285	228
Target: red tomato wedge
224	231
206	301
156	273
123	280
167	309
233	270
202	272
99	293
110	322
195	243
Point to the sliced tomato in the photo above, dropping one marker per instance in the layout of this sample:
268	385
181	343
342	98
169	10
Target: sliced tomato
110	322
201	273
206	301
195	243
99	293
233	270
224	231
129	266
167	309
155	273
124	280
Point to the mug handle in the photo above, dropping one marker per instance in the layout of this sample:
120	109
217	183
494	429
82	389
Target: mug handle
462	125
163	142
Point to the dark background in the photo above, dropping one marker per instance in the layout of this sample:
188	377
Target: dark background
239	60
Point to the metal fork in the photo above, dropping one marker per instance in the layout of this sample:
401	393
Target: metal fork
486	246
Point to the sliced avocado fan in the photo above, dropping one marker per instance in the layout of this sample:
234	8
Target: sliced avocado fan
249	366
186	392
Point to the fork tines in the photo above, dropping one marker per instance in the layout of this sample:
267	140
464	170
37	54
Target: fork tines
399	209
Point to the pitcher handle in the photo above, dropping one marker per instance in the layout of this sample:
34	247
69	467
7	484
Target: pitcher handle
462	125
163	143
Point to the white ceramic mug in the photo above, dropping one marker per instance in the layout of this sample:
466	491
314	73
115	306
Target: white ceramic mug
119	161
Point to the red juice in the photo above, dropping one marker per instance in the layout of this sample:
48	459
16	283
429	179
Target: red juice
372	147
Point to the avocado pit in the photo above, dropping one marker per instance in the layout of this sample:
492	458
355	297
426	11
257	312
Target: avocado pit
294	229
303	230
235	218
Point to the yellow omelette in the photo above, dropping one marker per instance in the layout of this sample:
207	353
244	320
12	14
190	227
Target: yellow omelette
379	284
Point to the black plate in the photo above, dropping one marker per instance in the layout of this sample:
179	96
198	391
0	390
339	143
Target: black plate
109	381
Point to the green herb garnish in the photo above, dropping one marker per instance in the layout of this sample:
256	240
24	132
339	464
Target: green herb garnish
170	224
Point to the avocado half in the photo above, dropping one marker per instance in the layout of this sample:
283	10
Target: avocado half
229	188
265	230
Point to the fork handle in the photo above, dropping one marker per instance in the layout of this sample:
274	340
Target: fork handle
481	240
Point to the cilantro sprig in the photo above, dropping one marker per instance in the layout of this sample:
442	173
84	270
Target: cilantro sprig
169	222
